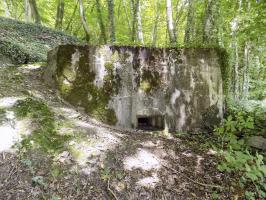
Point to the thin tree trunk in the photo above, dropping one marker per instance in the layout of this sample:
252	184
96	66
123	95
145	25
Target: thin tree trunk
246	64
190	22
246	71
111	20
210	30
27	11
127	16
7	12
236	89
236	68
34	11
84	21
60	14
155	26
170	25
14	8
72	16
133	12
100	19
139	33
207	21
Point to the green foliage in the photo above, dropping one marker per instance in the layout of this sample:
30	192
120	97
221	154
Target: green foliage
250	109
24	43
106	174
233	24
249	168
55	198
238	160
29	165
224	59
44	135
232	128
38	180
56	171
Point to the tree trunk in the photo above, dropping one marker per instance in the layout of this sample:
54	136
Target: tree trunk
234	26
34	11
72	17
127	16
246	71
235	72
111	20
207	22
140	33
84	21
190	22
27	11
60	14
7	12
155	26
210	30
170	25
103	38
134	18
135	9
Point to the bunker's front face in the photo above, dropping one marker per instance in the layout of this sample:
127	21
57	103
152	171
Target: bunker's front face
139	87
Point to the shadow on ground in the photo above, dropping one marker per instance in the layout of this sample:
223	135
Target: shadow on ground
49	150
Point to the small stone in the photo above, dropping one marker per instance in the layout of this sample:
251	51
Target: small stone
64	154
258	142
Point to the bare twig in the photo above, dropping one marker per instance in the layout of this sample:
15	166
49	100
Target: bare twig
109	189
11	173
199	183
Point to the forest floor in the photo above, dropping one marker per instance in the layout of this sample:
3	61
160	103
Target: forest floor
50	150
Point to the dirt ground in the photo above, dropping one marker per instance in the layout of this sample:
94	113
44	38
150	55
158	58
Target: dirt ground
99	162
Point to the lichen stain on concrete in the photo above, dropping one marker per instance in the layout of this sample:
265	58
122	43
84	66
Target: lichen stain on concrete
174	96
119	84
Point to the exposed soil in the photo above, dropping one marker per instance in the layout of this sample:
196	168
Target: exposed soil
100	162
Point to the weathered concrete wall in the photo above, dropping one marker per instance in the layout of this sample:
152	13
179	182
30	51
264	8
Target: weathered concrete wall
118	85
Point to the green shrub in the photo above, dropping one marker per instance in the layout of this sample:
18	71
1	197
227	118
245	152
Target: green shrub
232	128
237	158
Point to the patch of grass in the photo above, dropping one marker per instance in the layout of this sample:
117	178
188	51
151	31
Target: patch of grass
56	171
180	133
45	135
76	153
106	174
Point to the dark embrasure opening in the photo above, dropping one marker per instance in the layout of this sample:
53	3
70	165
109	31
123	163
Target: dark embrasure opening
150	122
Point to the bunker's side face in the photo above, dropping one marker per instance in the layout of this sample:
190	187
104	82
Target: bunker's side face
139	87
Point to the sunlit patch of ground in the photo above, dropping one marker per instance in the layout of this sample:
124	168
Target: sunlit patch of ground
8	102
149	182
144	160
10	128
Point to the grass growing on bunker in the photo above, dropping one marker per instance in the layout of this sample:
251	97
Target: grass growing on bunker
44	135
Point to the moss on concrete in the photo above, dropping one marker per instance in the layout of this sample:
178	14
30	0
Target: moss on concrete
78	88
225	69
150	80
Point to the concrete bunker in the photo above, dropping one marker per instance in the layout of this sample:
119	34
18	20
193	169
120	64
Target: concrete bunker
140	87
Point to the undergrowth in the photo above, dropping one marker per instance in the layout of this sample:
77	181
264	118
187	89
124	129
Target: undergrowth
238	159
23	43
